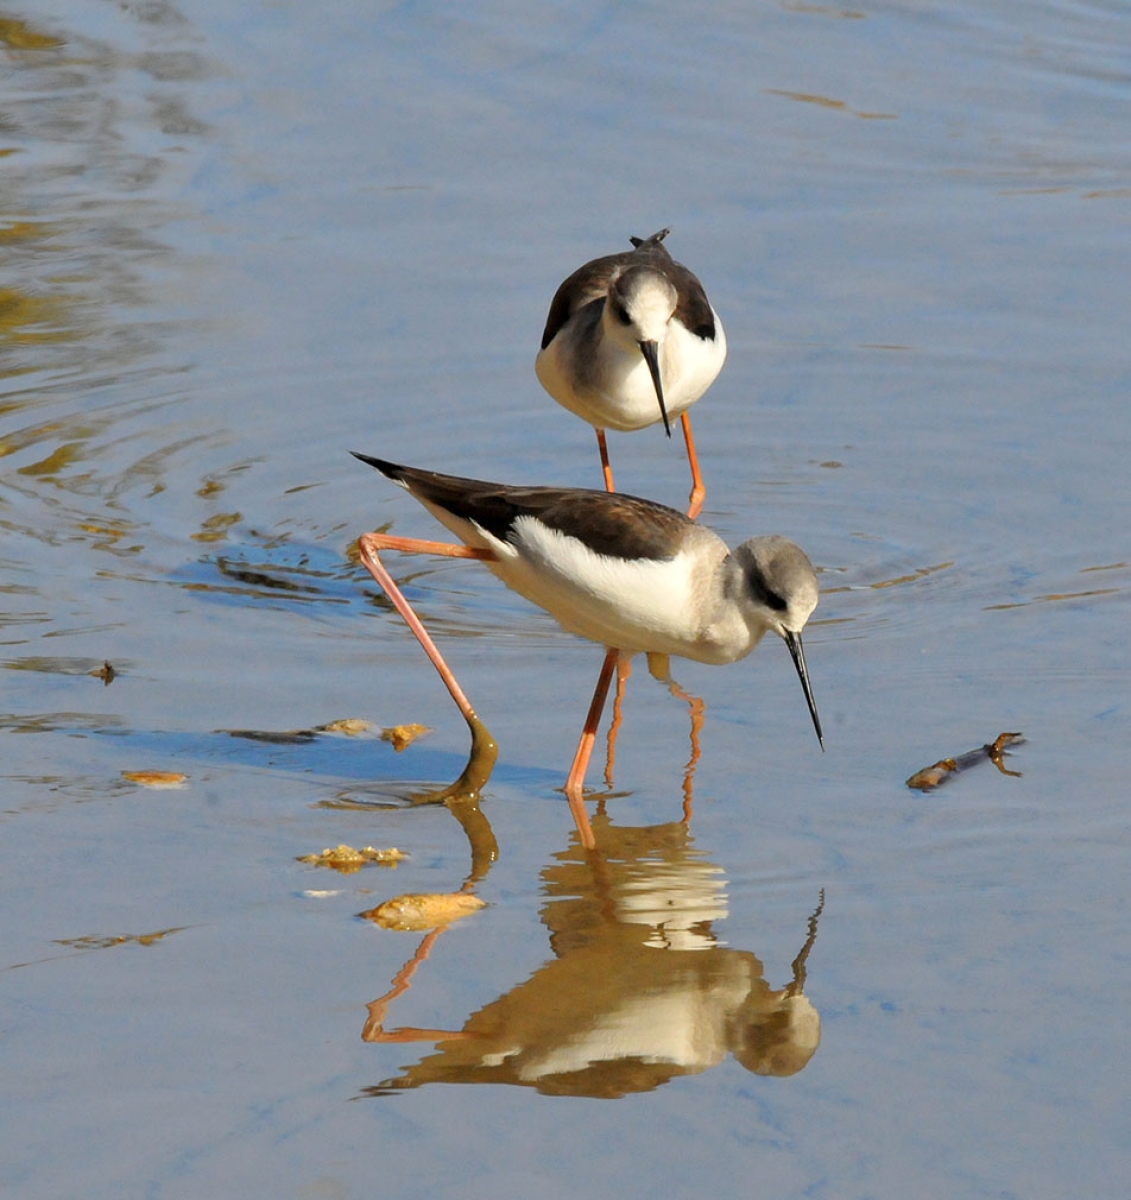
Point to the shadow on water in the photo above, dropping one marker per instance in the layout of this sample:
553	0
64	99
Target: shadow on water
641	988
320	753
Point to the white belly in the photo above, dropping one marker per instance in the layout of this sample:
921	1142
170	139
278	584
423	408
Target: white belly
646	606
609	385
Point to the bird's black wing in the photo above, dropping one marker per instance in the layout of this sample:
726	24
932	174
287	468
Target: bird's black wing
586	284
610	523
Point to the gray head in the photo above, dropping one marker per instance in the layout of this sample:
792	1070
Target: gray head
780	587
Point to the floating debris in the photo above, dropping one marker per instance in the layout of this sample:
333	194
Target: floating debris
156	779
930	777
399	736
416	913
403	735
288	737
346	859
122	939
350	726
105	672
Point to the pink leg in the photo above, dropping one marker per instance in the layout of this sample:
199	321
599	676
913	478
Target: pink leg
606	470
576	777
386	541
624	670
483	748
698	491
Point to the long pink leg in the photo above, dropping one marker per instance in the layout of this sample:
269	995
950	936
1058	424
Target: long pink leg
698	491
606	470
624	670
387	541
589	734
576	777
484	751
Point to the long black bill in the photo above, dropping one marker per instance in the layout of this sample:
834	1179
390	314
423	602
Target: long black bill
793	641
652	358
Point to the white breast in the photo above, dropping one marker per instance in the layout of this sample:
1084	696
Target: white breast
606	381
640	605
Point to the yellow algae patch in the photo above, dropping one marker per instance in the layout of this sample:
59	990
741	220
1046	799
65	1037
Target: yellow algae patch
421	911
403	735
346	859
350	726
156	779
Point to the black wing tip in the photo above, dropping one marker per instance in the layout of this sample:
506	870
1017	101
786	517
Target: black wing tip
389	469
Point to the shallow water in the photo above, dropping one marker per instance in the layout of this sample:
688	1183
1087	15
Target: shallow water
238	243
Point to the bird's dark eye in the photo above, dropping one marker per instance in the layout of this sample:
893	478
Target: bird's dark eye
620	312
764	595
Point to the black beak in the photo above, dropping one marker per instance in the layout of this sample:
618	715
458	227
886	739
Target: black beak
793	641
652	358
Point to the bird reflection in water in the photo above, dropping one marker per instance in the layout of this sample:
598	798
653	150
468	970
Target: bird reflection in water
695	711
640	990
